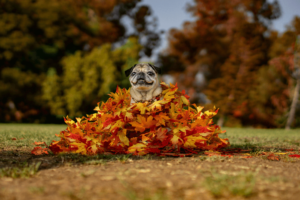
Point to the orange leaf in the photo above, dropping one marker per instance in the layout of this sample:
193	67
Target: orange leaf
40	143
145	138
118	126
212	153
161	118
273	157
133	140
143	123
138	127
39	151
161	134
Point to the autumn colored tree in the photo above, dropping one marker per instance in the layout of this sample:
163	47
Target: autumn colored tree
36	35
229	43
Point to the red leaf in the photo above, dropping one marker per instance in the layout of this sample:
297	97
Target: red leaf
166	128
14	138
289	149
295	156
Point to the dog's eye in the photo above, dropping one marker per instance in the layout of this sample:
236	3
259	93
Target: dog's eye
150	73
133	73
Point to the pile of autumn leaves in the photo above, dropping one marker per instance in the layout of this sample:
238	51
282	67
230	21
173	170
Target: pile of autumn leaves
169	126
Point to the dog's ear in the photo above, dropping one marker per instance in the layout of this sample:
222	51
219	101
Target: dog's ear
128	71
156	69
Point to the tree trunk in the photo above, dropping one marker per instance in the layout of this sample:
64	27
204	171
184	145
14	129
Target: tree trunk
293	106
221	121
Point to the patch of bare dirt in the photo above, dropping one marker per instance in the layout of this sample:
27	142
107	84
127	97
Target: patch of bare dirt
63	177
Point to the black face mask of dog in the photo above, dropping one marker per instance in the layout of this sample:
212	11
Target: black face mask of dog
144	82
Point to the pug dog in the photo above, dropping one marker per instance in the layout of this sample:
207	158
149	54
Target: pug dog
145	86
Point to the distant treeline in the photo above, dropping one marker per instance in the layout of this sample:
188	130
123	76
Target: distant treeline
60	58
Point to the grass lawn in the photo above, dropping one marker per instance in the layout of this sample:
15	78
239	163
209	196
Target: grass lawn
76	177
26	134
267	138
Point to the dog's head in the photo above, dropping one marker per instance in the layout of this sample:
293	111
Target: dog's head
143	77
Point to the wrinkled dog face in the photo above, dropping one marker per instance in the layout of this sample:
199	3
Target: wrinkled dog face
143	77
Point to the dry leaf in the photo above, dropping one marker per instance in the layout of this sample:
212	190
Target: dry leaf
166	127
272	156
39	151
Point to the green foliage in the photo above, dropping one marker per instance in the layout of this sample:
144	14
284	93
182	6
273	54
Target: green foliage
21	89
232	183
20	172
87	78
36	34
40	37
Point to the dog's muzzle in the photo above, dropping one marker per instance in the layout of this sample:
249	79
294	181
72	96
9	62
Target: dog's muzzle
141	80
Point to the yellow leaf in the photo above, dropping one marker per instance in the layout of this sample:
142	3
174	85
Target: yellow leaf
92	117
156	104
175	139
123	138
69	121
180	128
139	148
94	148
191	140
210	113
128	116
78	119
120	110
184	100
142	107
118	124
81	147
169	96
172	111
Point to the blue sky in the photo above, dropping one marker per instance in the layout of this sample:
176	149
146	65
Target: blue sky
172	14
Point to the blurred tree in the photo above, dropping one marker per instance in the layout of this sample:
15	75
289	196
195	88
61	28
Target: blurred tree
228	42
275	84
36	35
88	78
19	90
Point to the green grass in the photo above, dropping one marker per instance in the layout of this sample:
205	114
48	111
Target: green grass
245	138
20	172
27	134
236	184
248	138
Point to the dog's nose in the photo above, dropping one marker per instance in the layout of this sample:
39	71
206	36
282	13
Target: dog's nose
141	75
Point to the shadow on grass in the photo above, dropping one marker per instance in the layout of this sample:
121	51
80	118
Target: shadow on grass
16	158
21	158
254	148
